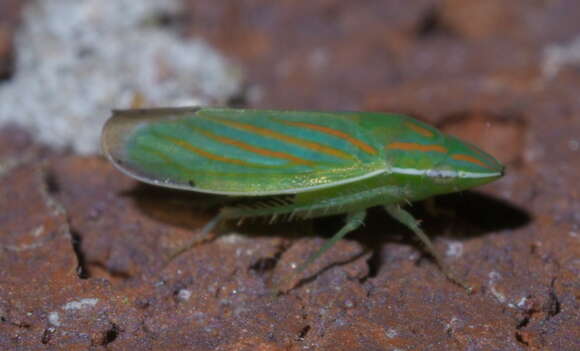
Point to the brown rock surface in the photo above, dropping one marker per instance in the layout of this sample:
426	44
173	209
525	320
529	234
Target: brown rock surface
84	249
9	18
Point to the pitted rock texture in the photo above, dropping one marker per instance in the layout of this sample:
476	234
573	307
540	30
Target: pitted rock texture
85	250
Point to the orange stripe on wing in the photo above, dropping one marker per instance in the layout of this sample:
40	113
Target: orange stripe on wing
418	129
470	159
416	147
187	146
487	157
279	136
255	149
337	133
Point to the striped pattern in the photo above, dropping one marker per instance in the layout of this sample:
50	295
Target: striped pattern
420	129
233	151
249	152
470	159
187	146
253	148
294	141
423	151
340	134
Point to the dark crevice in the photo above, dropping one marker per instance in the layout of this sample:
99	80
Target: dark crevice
112	272
553	307
432	25
521	340
47	335
303	332
82	268
524	322
266	264
52	185
111	334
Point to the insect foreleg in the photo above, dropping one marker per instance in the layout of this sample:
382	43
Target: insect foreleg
407	219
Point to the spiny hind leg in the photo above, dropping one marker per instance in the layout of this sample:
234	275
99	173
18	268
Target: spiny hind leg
407	219
205	234
272	207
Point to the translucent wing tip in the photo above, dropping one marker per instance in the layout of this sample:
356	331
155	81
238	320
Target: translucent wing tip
123	123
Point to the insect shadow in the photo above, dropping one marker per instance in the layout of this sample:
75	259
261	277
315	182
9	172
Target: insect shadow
457	216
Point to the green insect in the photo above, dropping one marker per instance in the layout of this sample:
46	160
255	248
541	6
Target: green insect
297	165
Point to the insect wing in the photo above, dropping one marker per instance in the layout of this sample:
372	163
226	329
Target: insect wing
241	152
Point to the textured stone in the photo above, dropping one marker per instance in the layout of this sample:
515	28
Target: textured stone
9	19
85	249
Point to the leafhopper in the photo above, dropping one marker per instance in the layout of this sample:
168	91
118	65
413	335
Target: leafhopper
296	165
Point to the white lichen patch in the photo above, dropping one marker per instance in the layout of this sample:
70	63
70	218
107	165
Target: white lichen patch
54	319
184	294
77	60
557	56
391	333
454	249
233	238
493	279
80	304
522	302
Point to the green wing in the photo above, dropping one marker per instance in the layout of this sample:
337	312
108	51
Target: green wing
242	152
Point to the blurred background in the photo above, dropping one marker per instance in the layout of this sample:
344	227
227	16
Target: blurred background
65	63
82	246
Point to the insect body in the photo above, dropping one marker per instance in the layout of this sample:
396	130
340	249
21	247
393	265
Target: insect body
294	164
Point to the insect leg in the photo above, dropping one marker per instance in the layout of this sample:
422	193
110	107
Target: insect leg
407	219
233	212
205	234
353	221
